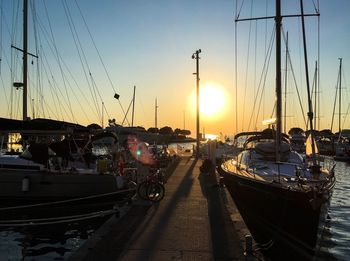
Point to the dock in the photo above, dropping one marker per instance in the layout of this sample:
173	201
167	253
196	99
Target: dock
196	220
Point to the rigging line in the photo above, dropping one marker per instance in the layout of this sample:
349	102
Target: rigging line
344	121
1	14
99	55
39	86
294	78
14	221
68	83
127	112
335	100
105	109
54	88
15	15
93	42
1	50
99	113
56	91
35	91
316	7
314	88
236	74
93	83
59	63
247	65
81	54
78	87
310	112
8	99
263	75
264	83
51	89
255	60
142	106
266	53
240	9
319	64
66	67
343	81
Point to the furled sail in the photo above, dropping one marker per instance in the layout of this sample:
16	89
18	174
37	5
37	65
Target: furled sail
309	146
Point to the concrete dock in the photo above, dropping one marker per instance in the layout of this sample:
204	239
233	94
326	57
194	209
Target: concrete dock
196	220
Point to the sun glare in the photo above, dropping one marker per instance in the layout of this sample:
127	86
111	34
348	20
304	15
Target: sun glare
211	99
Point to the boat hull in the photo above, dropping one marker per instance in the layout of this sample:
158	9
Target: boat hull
29	193
284	221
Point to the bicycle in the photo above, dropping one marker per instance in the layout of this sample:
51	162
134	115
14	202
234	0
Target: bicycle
153	187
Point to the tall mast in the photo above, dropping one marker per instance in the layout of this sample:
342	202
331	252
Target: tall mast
133	107
103	104
310	113
285	89
25	58
340	65
155	116
316	94
278	24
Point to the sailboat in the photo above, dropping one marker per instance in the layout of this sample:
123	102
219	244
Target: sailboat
282	198
341	143
57	168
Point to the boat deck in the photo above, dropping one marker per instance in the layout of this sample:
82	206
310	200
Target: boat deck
268	174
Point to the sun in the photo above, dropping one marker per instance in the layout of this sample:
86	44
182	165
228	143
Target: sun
211	99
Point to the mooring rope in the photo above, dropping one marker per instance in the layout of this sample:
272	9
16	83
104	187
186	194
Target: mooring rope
58	220
68	200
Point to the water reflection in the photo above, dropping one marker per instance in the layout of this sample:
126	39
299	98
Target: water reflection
336	238
54	242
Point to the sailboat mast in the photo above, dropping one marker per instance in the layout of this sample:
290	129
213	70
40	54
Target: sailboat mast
278	24
285	88
155	114
25	58
310	113
340	65
133	107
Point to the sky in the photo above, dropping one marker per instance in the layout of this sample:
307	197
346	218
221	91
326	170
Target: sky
89	50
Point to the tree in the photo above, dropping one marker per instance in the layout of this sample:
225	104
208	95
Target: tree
177	132
166	130
153	130
186	132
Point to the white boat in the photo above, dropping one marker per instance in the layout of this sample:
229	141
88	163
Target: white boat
57	175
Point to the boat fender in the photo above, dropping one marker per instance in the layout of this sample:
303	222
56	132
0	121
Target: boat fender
25	184
120	182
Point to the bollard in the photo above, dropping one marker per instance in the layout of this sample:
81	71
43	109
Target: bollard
248	244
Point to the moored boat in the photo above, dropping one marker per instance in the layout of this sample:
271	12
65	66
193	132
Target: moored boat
282	197
62	173
284	203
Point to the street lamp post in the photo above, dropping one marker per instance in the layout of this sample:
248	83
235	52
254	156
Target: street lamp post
196	56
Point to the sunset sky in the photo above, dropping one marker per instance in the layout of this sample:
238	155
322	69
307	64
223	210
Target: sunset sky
149	44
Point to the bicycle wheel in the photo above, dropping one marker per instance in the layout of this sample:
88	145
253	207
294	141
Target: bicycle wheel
155	191
142	190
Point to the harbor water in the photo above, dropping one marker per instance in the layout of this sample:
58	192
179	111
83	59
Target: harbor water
336	237
58	242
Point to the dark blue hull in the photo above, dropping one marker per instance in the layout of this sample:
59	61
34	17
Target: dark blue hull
285	222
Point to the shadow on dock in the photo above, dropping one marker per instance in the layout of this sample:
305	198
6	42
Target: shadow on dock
192	222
